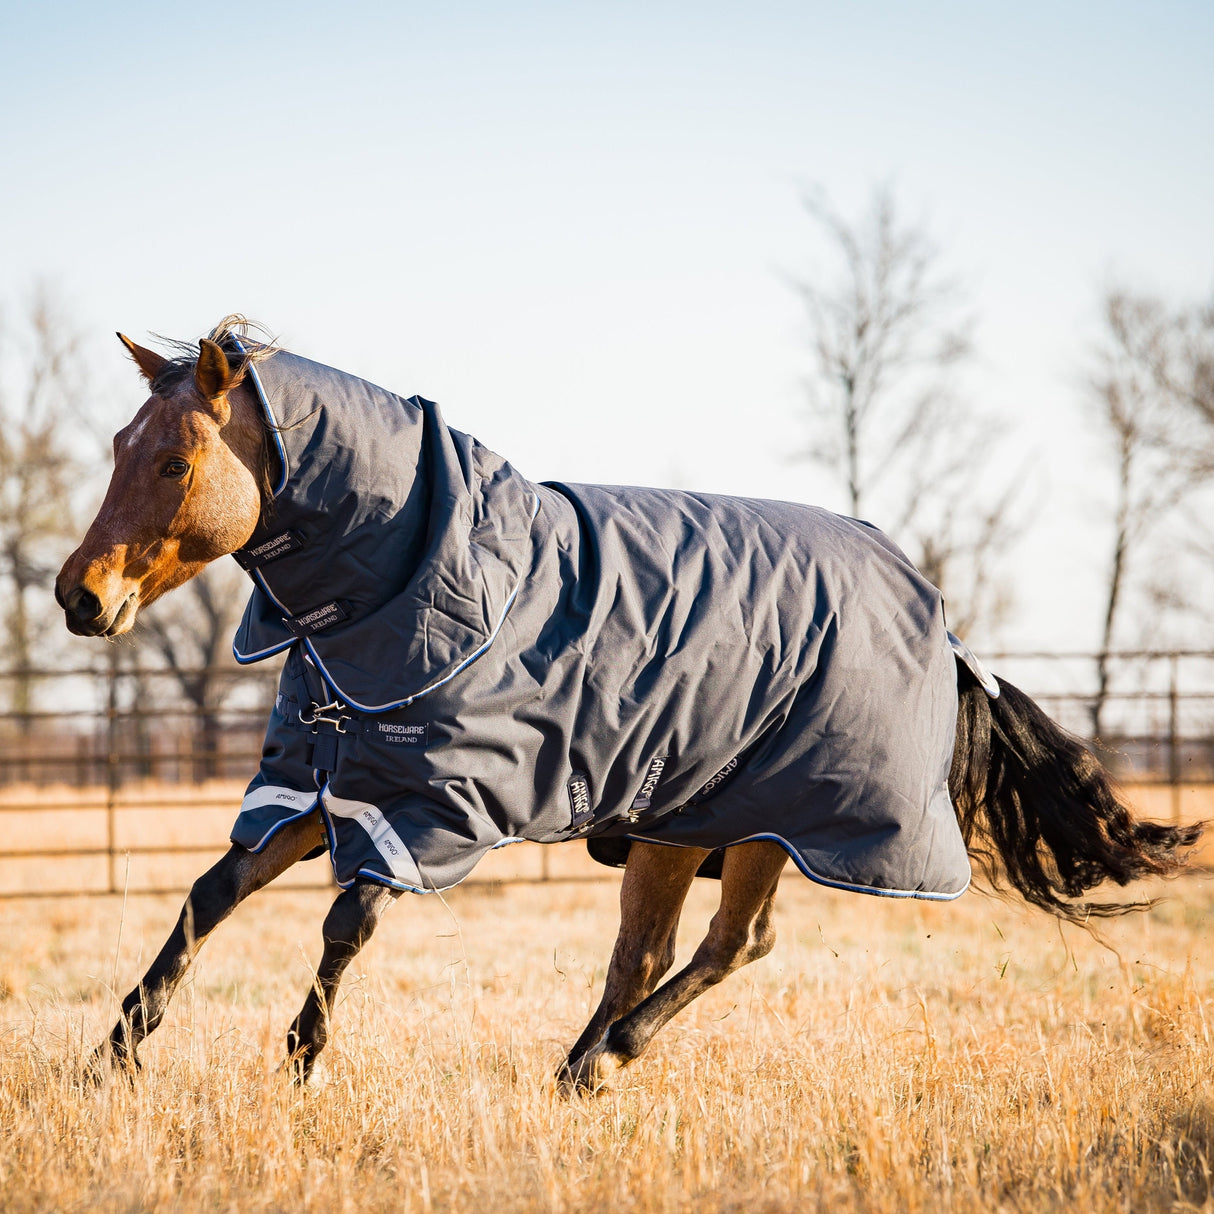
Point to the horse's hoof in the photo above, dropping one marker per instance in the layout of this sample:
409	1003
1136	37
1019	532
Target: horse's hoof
298	1067
296	1075
105	1061
95	1071
591	1073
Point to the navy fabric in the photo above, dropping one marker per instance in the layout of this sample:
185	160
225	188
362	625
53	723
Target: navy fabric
475	658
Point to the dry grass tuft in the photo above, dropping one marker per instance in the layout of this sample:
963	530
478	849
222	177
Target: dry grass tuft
887	1057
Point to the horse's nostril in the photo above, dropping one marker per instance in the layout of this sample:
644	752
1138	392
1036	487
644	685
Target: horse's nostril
83	604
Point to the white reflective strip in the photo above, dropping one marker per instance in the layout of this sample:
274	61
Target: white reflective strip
387	842
275	794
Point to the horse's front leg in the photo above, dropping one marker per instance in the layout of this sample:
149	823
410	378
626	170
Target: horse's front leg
210	901
348	926
656	881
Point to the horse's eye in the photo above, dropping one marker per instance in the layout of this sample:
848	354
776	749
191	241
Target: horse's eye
175	468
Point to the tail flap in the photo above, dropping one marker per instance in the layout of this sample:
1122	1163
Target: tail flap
964	653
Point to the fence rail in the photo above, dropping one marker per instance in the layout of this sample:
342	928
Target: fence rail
113	777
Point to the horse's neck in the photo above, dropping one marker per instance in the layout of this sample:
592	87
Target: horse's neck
246	435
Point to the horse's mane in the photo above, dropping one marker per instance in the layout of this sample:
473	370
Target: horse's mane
244	341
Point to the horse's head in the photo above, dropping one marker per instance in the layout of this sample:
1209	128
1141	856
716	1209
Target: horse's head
186	489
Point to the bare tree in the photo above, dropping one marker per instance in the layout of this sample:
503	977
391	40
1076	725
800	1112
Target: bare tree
41	386
889	330
1176	348
191	633
1153	390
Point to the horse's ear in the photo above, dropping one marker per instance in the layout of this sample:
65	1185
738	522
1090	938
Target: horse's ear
213	378
150	363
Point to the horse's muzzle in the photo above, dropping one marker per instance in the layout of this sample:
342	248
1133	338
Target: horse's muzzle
86	615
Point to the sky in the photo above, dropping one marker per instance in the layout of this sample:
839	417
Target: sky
574	225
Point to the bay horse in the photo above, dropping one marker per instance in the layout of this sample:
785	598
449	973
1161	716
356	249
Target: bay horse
695	685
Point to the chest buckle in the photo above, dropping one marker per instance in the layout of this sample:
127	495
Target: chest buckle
334	713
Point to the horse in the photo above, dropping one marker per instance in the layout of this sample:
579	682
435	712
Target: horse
694	685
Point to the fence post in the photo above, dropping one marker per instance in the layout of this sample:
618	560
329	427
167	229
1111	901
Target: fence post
1174	733
111	767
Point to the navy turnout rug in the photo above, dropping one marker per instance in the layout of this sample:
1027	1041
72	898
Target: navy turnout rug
475	659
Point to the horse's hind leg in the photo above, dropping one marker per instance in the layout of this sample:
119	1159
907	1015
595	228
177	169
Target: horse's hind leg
740	932
656	881
213	897
348	926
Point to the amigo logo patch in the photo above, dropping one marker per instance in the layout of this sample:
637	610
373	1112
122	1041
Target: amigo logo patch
717	780
644	798
268	550
579	799
403	735
319	617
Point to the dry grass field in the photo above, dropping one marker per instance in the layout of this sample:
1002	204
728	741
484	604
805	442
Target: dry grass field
888	1056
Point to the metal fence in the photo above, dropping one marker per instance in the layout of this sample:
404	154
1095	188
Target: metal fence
1158	720
112	778
111	767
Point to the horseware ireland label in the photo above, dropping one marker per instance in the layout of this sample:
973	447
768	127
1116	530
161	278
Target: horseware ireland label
268	550
403	735
316	619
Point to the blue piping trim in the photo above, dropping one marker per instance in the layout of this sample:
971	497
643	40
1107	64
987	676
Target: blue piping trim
380	879
246	659
370	874
261	581
331	837
353	703
425	690
414	889
274	423
806	871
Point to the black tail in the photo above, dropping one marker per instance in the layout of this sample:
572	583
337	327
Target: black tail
1037	808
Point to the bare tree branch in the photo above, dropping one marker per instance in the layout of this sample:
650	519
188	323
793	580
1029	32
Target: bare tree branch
888	331
42	379
191	632
1151	389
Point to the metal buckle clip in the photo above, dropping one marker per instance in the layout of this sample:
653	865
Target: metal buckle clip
321	713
